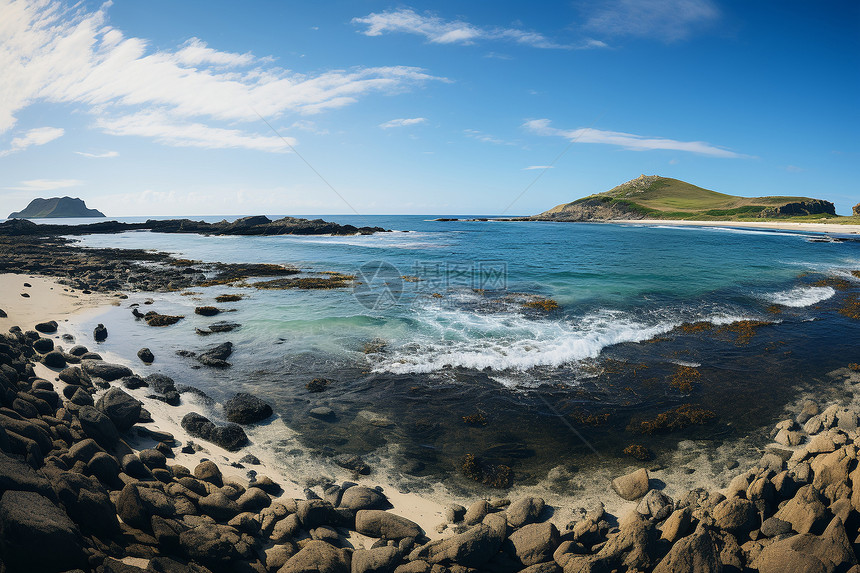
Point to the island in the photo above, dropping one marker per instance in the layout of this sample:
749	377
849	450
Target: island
55	208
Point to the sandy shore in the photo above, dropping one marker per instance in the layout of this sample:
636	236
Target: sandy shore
47	300
778	225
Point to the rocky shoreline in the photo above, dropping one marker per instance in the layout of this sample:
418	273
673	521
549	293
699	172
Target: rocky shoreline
74	476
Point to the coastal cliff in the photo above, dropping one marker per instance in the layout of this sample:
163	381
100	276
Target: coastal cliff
55	208
655	197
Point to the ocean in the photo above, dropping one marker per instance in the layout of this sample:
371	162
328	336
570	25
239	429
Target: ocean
539	347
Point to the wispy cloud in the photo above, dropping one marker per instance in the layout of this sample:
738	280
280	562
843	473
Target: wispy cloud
402	122
530	167
627	140
69	55
486	138
38	136
45	184
105	155
440	31
665	20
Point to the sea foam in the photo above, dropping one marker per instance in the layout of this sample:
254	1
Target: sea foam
800	297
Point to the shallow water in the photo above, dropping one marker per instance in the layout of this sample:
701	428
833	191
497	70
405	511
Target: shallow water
437	330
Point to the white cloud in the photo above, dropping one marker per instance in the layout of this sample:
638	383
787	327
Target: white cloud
402	122
105	155
439	31
45	184
627	140
38	136
530	167
160	127
486	138
68	55
666	20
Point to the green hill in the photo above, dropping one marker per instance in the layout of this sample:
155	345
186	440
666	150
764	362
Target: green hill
56	207
655	197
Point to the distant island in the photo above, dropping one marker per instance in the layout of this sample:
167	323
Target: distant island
655	197
55	208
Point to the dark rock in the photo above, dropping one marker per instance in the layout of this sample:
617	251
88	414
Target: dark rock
49	327
133	382
318	384
26	409
352	462
254	499
152	458
36	535
830	551
78	350
105	467
250	459
86	501
207	310
377	523
377	560
98	426
54	359
137	504
230	437
246	409
219	506
524	511
105	370
318	556
146	356
120	407
216	546
266	484
160	383
216	356
43	345
315	512
197	425
208	471
19	476
772	526
100	333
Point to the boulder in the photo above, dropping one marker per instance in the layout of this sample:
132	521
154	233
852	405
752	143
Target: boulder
735	514
230	437
43	345
98	426
360	497
208	471
677	525
137	504
318	556
146	356
631	549
534	543
831	551
377	560
524	511
253	499
476	512
631	486
17	475
805	511
218	506
48	327
377	523
655	505
36	535
246	409
100	332
152	458
315	512
54	359
86	501
695	552
197	425
216	356
160	383
105	370
122	409
216	546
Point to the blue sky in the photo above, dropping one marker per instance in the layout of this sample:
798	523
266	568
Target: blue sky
154	108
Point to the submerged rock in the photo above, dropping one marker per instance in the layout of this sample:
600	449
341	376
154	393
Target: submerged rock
245	408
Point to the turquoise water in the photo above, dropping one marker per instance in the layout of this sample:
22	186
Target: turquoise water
454	338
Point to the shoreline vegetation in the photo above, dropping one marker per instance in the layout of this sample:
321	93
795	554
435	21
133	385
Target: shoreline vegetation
115	472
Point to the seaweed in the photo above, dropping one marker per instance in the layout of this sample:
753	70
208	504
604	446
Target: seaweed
153	318
683	378
745	329
678	418
638	452
544	304
694	327
476	420
332	281
850	307
318	384
498	476
228	297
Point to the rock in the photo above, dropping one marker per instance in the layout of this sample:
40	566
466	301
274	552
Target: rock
318	556
246	409
278	555
359	497
86	501
821	444
696	552
146	356
152	458
230	437
105	467
734	514
105	370
207	310
810	409
137	504
315	512
805	511
677	525
476	512
208	471
631	549
353	463
831	474
100	332
472	548
98	426
788	438
48	327
377	523
454	512
197	425
43	345
655	505
831	551
216	356
322	412
218	506
36	535
377	560
773	526
122	409
631	486
17	475
54	359
524	511
250	459
254	499
216	546
535	543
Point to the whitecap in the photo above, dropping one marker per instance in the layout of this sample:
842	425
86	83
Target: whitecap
800	297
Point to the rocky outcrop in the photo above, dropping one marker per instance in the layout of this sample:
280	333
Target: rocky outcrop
56	207
807	207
